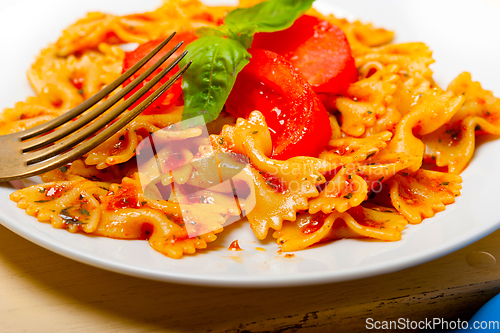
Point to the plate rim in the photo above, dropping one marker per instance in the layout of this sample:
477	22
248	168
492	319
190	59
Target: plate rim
299	279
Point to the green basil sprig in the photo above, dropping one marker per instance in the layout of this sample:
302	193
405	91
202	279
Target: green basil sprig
209	80
220	54
267	16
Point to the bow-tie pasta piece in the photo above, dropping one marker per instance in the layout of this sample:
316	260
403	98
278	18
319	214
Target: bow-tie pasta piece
123	145
35	111
165	233
392	77
281	188
381	167
351	150
129	194
125	203
353	182
113	174
96	28
412	59
370	104
424	193
453	144
362	37
70	205
367	221
307	230
376	222
344	191
426	116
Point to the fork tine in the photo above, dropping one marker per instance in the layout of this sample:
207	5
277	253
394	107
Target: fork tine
64	118
88	117
84	134
104	135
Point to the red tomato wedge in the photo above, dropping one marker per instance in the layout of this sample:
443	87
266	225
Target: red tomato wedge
318	49
172	96
296	117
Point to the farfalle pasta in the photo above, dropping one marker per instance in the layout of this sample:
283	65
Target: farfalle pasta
282	188
398	142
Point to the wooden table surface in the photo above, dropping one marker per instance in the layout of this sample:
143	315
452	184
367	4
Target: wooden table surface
43	292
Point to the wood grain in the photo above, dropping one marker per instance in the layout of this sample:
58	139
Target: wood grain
44	292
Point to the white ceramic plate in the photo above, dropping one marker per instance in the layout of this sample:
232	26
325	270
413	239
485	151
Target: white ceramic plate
463	34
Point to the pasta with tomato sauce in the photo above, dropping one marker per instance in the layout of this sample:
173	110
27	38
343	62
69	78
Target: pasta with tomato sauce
347	135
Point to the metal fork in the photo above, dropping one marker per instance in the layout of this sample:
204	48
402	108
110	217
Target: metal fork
37	150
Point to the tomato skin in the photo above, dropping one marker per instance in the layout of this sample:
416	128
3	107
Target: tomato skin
296	117
172	96
318	49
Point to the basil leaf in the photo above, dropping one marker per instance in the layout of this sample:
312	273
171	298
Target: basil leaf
245	39
269	16
208	82
218	60
209	31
